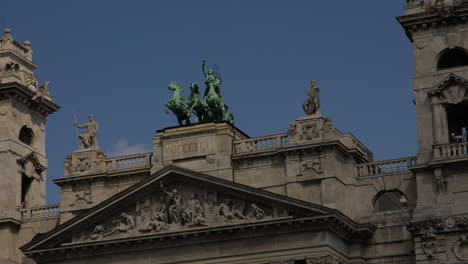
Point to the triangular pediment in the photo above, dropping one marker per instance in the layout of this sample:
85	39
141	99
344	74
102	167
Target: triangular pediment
176	206
452	88
31	165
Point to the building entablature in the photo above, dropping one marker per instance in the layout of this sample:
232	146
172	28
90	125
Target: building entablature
422	16
18	93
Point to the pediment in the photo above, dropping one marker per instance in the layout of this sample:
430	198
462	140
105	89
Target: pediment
177	206
451	89
31	165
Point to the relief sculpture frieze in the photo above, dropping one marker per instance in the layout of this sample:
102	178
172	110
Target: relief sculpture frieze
176	209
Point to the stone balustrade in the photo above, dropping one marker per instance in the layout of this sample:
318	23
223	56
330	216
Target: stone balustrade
451	150
19	49
261	143
41	212
386	167
129	162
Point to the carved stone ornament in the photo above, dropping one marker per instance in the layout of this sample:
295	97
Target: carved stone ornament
11	67
84	164
452	89
309	132
460	247
439	224
84	196
311	168
30	80
31	166
445	8
177	210
3	110
429	244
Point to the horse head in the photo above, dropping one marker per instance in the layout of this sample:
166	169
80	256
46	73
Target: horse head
174	86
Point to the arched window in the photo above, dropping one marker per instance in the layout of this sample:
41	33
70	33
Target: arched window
26	135
450	58
390	201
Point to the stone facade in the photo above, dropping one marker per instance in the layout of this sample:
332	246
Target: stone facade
209	193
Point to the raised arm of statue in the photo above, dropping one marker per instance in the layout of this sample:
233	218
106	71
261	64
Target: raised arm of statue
203	67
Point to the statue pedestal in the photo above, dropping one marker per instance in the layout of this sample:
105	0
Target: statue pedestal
309	128
85	162
204	147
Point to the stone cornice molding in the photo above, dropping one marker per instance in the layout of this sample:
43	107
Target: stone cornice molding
20	93
434	17
101	176
215	235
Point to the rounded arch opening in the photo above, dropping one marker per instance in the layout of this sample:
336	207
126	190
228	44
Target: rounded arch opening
392	200
26	136
450	58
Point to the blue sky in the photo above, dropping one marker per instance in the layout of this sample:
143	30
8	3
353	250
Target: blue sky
115	59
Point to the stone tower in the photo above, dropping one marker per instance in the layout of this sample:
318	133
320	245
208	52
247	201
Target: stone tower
438	30
24	107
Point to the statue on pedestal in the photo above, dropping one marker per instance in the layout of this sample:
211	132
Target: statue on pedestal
312	105
88	139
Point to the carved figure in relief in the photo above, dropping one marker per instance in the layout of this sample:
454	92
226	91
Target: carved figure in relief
311	106
161	215
42	91
11	67
155	224
176	204
123	226
88	139
210	201
193	214
256	212
30	80
228	212
98	231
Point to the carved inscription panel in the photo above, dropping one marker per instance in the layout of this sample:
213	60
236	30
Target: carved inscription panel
189	148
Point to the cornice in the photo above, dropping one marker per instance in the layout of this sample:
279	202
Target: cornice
433	18
205	236
101	176
20	93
